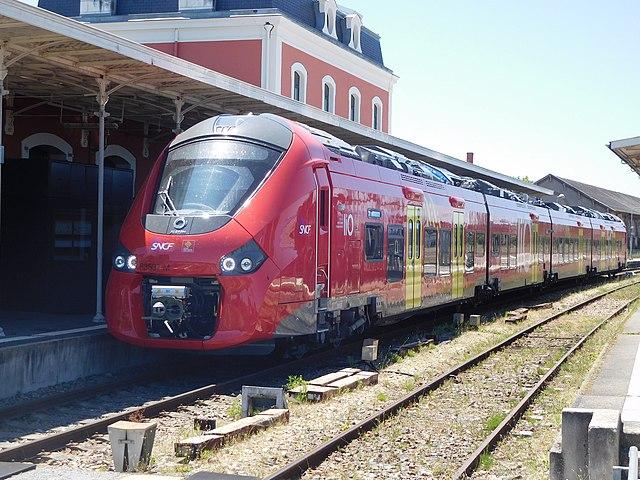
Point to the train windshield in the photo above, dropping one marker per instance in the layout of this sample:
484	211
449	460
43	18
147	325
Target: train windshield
212	177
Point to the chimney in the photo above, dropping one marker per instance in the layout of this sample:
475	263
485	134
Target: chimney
470	157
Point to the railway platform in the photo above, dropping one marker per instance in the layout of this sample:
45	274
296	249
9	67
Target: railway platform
604	420
39	353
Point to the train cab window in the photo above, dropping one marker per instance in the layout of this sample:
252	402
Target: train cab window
480	245
430	251
504	251
373	241
395	253
513	250
469	257
495	245
444	245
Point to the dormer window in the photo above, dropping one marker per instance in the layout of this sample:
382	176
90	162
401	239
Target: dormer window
97	7
354	25
326	17
196	5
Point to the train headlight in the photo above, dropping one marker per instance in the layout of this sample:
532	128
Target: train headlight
119	262
246	264
246	259
228	264
124	261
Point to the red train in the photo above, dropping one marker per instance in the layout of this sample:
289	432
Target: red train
253	230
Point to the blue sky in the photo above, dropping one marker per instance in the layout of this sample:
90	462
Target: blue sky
531	87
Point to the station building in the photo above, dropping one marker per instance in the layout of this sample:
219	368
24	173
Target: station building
627	207
92	88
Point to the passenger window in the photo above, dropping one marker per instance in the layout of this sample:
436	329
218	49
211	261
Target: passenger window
410	246
504	251
495	245
418	232
480	245
395	253
430	251
445	251
513	251
468	253
374	235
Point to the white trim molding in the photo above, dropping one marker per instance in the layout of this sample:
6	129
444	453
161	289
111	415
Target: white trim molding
302	72
328	81
355	93
354	24
330	10
119	151
376	102
49	139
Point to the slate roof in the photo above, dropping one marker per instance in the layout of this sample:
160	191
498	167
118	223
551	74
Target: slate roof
615	201
301	11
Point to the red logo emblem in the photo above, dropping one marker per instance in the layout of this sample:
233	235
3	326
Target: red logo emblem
188	246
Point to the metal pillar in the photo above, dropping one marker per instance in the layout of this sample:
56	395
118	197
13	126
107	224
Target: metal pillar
179	115
102	98
3	75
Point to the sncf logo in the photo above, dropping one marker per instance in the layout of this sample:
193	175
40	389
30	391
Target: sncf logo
164	247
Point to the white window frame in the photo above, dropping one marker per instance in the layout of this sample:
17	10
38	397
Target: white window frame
376	102
354	24
330	10
48	139
100	7
328	80
302	71
195	5
354	92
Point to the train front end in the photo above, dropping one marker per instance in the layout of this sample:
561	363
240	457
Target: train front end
189	272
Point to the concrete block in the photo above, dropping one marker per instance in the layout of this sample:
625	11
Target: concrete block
204	424
193	447
250	394
354	381
131	444
370	350
329	378
315	393
604	442
475	320
575	445
244	426
556	465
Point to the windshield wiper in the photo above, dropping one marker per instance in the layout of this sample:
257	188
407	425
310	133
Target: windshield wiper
166	199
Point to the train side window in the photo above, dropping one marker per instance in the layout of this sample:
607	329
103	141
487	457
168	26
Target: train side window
513	251
469	257
395	253
324	210
430	251
445	251
410	243
418	239
480	245
504	250
495	245
373	241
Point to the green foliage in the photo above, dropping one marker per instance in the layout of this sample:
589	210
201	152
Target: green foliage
382	397
486	461
234	412
295	381
493	422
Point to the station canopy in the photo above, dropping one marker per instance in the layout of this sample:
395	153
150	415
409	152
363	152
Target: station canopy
58	60
629	152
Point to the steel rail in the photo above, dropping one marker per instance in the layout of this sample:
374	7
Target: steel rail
59	440
316	456
471	463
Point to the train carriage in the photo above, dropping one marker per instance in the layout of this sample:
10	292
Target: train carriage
253	230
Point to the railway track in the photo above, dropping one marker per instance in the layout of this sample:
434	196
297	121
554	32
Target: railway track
59	439
315	458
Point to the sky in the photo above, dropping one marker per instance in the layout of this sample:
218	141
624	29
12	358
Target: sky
531	87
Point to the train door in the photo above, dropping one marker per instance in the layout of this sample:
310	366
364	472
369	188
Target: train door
323	196
536	275
413	260
580	251
457	253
